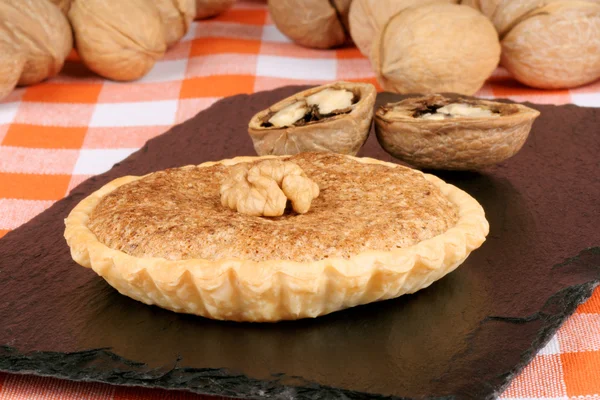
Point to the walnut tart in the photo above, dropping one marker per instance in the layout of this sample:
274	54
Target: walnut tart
275	238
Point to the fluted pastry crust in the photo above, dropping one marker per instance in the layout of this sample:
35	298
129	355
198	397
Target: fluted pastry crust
272	289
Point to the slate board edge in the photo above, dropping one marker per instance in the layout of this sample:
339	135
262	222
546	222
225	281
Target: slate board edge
131	373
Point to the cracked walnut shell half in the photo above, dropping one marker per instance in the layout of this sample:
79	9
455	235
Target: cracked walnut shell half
452	132
376	231
335	117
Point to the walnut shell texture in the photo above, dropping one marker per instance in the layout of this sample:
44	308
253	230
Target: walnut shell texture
119	40
456	143
344	133
309	23
436	48
40	32
211	8
12	62
505	14
343	10
368	17
556	46
177	15
64	5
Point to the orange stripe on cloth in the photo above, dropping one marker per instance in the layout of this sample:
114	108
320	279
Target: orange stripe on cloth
134	393
44	137
213	45
250	17
217	86
592	305
63	93
2	233
582	373
33	186
542	378
45	388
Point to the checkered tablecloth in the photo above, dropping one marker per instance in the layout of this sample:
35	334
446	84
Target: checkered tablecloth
56	134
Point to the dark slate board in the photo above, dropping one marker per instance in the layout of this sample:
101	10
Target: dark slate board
465	337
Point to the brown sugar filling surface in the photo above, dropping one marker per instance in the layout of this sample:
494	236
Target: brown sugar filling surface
177	214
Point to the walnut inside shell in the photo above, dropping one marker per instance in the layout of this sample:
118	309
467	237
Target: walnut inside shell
316	107
452	131
335	117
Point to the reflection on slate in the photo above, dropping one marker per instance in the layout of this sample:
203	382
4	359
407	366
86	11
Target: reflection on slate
465	336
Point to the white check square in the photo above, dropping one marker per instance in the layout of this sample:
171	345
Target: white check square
97	161
147	113
272	34
586	99
8	112
166	71
296	68
552	347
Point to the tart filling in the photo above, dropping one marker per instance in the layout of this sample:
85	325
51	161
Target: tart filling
177	214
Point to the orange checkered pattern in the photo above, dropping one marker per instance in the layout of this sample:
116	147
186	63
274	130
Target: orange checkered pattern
56	134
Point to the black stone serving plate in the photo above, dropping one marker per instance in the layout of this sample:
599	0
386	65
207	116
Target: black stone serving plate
464	337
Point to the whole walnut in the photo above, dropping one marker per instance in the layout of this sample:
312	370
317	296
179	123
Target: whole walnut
505	14
311	23
35	39
211	8
12	62
436	48
487	7
176	15
64	5
117	39
555	46
367	17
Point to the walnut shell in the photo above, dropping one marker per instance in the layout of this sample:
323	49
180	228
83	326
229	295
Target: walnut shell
457	143
211	8
344	133
176	15
343	9
64	5
436	48
119	40
504	14
368	17
556	46
12	62
40	33
309	23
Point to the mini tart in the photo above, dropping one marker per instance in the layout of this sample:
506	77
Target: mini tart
342	132
458	143
376	231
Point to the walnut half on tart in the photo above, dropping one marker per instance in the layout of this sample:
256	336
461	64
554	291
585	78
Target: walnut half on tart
335	117
453	132
345	231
